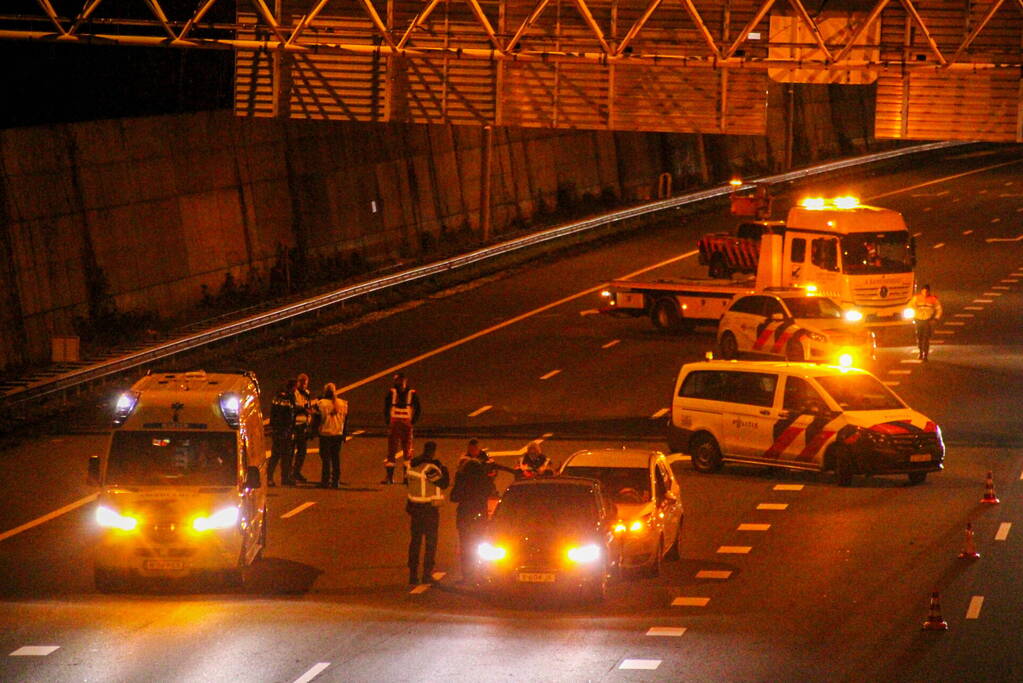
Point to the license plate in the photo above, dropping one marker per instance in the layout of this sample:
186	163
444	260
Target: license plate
163	565
920	457
536	577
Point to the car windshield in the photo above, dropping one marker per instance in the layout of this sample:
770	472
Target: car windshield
813	307
860	392
172	459
547	503
622	484
877	252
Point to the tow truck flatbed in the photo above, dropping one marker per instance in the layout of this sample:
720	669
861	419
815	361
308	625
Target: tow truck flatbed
671	303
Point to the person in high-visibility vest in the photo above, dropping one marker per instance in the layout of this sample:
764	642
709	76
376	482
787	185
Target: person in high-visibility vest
926	311
401	411
427	479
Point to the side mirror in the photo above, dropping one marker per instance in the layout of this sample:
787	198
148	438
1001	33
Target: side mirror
252	478
777	316
93	477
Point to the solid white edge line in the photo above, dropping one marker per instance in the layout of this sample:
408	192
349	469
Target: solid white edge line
313	672
550	374
666	631
34	651
1003	531
48	516
973	611
295	511
480	411
788	487
640	664
613	342
660	413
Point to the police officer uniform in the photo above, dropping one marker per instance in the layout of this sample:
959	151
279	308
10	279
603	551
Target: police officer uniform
427	479
282	424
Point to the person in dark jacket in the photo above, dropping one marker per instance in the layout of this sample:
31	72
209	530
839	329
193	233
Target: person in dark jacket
474	485
401	411
282	425
427	479
534	463
303	397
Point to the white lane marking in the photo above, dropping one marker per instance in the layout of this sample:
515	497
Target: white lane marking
545	436
1003	531
929	194
917	234
358	431
983	301
1002	287
660	413
1010	280
938	341
421	588
942	180
955	323
313	672
788	487
510	321
996	220
891	384
754	527
48	516
641	664
295	511
589	311
939	245
1017	238
613	342
967	232
900	372
772	506
911	361
667	631
963	315
991	294
944	331
718	574
34	650
926	209
973	611
550	374
735	549
689	602
480	411
973	308
437	576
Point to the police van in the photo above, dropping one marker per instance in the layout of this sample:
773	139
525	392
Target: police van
799	416
182	486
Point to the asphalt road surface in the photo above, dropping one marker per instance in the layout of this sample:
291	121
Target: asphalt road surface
835	588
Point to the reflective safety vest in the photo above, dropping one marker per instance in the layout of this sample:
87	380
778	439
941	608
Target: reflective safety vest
926	307
401	412
420	488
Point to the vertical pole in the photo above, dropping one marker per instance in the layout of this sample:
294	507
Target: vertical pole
486	154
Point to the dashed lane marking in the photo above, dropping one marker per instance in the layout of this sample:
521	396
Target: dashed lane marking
996	220
660	413
939	245
939	342
891	384
911	361
684	601
973	611
942	180
1017	238
1010	280
973	308
991	294
917	234
963	315
929	194
48	516
550	374
773	506
734	549
314	671
666	631
927	209
613	342
437	576
304	506
1002	287
900	372
1003	531
955	323
640	664
589	311
983	301
967	232
716	574
754	527
480	411
421	588
34	650
788	487
944	331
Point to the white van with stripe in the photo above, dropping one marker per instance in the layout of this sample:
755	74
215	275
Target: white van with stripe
799	416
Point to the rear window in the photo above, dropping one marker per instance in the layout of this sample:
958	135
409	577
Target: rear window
622	484
860	392
569	503
173	459
751	388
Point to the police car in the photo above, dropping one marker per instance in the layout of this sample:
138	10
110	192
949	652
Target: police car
796	325
800	416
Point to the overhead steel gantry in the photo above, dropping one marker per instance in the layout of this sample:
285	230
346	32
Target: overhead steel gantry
943	68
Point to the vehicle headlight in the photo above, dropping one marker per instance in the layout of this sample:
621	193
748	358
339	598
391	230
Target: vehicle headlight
221	519
908	314
620	528
491	553
584	554
845	360
853	316
112	519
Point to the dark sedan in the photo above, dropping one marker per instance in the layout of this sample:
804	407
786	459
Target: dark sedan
556	534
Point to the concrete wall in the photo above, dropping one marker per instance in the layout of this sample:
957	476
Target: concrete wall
105	218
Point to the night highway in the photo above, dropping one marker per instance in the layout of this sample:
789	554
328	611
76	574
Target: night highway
824	582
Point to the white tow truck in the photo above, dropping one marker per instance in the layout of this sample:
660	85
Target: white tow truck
861	257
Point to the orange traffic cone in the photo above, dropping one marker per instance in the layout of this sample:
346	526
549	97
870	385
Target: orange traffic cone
989	491
969	549
934	621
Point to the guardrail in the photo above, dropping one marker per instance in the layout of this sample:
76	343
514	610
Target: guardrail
101	369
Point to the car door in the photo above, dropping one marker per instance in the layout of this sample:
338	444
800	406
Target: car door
744	317
669	504
802	429
750	413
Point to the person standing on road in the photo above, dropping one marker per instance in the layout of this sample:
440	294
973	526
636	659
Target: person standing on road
333	412
401	411
474	485
534	463
427	479
282	423
302	400
927	311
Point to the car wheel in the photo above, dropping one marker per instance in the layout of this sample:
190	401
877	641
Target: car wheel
675	551
794	352
653	570
706	454
718	270
843	468
665	315
107	580
917	477
728	347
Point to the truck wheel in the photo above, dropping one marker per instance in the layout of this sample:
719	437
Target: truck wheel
665	315
728	346
706	454
794	352
718	270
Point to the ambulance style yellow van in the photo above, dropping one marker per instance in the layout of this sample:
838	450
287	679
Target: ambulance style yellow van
799	416
182	486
